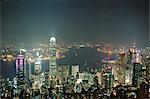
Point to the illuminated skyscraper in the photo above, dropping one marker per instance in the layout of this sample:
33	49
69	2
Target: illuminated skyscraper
137	73
21	65
29	68
75	70
38	77
37	67
52	62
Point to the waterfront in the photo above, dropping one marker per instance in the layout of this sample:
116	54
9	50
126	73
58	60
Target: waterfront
73	57
74	49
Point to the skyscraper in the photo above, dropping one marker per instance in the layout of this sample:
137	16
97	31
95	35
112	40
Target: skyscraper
137	73
21	65
75	70
37	67
52	61
38	76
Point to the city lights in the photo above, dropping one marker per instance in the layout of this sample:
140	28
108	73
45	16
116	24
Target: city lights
74	49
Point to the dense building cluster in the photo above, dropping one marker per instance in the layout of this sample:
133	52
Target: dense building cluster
125	77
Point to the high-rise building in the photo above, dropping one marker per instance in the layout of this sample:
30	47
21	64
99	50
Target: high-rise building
75	70
38	77
29	69
129	68
63	71
137	73
37	67
21	65
52	62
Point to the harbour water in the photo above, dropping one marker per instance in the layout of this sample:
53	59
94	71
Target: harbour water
84	57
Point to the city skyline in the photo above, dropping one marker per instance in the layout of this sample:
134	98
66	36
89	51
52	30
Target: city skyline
74	49
116	21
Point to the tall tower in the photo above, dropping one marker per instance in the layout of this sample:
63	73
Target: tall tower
21	65
37	67
52	61
29	68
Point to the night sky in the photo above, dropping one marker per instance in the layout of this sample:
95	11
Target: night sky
114	21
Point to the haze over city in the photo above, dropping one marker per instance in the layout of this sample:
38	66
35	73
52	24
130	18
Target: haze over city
28	21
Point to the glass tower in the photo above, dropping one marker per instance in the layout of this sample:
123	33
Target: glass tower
52	61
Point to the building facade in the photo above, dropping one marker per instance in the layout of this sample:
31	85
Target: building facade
21	65
52	62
